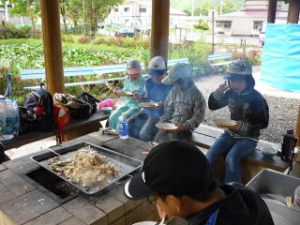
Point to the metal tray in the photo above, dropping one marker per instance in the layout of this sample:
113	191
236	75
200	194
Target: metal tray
126	164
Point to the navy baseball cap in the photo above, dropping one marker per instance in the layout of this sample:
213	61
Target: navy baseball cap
173	168
157	66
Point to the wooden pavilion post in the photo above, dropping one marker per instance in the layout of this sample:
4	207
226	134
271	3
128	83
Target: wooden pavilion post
272	11
160	28
298	128
293	17
52	45
293	14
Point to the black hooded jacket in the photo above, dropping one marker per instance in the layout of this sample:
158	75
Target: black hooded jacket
240	207
249	107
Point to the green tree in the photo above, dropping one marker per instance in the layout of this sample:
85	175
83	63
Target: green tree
95	11
74	11
188	12
204	7
29	8
63	6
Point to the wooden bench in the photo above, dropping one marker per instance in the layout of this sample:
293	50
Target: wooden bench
204	136
84	71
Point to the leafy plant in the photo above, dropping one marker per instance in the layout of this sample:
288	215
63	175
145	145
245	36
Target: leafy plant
8	30
202	25
197	53
85	39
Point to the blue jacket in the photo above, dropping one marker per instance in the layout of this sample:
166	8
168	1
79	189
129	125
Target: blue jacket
156	92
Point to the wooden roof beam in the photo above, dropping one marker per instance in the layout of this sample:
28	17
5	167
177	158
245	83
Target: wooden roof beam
293	14
272	11
298	128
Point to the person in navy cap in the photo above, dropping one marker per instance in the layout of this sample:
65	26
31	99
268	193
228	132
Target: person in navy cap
142	124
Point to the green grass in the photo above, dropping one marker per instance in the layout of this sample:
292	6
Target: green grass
19	54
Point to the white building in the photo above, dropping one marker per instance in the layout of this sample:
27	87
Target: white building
137	14
17	20
250	20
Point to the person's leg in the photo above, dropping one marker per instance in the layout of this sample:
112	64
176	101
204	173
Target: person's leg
221	146
181	136
126	114
114	116
149	130
135	124
2	154
131	110
241	148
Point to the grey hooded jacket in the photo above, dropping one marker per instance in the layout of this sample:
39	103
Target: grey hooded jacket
185	107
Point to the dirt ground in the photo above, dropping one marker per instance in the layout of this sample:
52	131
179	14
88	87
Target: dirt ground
283	110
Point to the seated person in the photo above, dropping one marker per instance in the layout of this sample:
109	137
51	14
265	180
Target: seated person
184	106
178	178
134	84
142	124
248	107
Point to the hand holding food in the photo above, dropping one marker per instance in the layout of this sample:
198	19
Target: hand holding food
237	126
223	87
137	96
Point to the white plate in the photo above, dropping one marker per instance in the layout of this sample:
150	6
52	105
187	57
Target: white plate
225	123
167	126
6	137
126	93
146	223
148	105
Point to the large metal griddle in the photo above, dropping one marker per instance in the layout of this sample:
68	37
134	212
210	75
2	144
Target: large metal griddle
126	165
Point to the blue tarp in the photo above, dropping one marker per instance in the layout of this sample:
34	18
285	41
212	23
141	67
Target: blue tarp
281	56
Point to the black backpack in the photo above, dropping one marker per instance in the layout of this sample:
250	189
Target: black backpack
78	108
40	101
86	97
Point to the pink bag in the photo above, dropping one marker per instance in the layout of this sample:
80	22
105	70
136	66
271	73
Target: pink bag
106	103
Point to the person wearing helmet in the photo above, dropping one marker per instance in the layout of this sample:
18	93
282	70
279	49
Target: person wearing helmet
184	106
177	177
250	111
142	124
133	84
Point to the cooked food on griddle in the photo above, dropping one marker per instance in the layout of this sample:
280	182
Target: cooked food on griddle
86	168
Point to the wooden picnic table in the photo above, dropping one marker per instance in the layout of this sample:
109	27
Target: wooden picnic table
74	129
26	202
